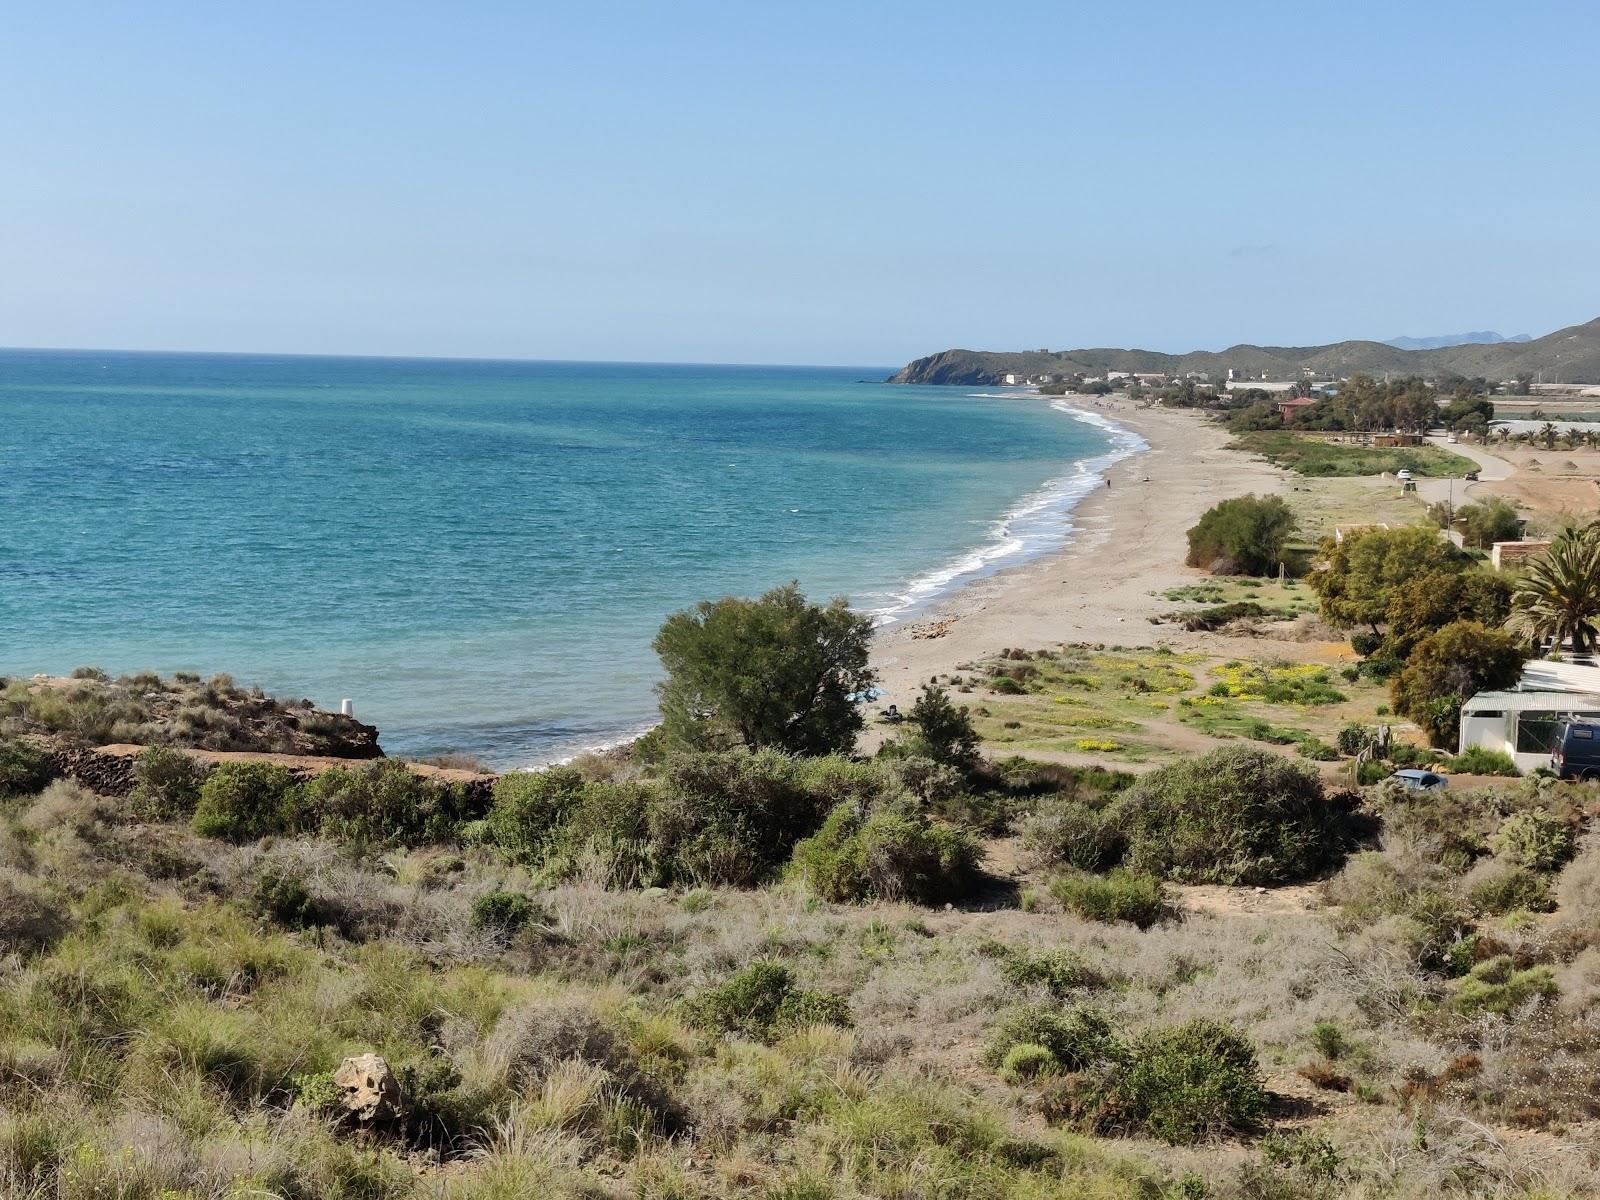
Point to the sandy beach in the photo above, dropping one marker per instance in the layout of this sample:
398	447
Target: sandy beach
1128	542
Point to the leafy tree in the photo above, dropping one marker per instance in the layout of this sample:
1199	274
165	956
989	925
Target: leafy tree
1523	385
777	672
1363	571
1558	597
944	730
1448	667
1488	522
1429	602
1248	531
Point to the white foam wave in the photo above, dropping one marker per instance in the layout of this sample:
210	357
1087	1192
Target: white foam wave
1037	524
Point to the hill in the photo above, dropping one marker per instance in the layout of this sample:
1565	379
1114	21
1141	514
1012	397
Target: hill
1440	341
1570	355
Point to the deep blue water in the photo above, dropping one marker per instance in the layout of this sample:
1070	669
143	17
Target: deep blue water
478	553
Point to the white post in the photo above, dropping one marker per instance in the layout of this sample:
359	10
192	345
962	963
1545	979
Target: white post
347	707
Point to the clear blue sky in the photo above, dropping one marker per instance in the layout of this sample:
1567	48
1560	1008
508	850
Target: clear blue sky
822	182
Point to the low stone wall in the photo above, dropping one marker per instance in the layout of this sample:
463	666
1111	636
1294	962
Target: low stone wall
103	773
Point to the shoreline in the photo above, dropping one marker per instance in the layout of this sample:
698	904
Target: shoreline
1122	543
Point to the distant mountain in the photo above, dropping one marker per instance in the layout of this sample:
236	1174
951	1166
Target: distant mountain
1485	337
1569	355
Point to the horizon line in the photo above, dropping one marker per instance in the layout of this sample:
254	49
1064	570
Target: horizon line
457	358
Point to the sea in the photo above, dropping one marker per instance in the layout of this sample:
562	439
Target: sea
478	553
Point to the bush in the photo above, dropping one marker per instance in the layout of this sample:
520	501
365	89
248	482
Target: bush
944	730
1508	889
28	919
283	898
1029	1060
1187	1082
166	784
1317	750
1449	666
1479	760
1075	1039
1353	738
241	801
528	807
25	769
761	1001
502	912
1064	831
1060	972
1237	815
895	853
382	803
1123	895
1535	839
1248	531
1497	986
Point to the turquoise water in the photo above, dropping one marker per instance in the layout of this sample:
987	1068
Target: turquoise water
478	553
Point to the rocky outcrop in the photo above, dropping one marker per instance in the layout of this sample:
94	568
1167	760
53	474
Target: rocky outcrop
369	1093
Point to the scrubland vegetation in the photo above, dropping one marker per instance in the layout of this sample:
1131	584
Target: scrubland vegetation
742	962
91	709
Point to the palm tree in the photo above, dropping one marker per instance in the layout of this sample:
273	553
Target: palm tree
1558	598
1548	432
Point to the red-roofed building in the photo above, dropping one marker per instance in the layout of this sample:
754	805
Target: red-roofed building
1288	408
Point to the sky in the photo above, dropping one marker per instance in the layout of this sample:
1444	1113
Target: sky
854	183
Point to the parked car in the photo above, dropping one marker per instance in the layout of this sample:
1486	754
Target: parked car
1418	779
1575	750
1402	473
1471	477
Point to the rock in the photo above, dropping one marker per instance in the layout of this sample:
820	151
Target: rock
368	1091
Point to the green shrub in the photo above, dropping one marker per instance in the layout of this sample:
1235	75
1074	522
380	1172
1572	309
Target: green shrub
1535	839
761	1001
1025	1061
1496	986
166	784
944	731
1076	1038
1478	760
1237	815
25	769
1122	895
1354	738
1372	771
1186	1082
502	912
1509	889
1065	831
1007	686
1317	750
283	898
1246	533
1060	971
895	853
382	803
245	800
528	807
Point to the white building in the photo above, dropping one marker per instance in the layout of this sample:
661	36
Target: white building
1522	722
